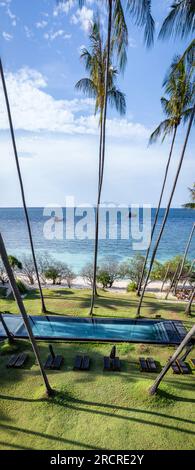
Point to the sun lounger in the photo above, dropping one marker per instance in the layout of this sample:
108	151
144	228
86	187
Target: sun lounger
116	365
21	360
48	362
192	363
78	362
85	363
12	360
107	364
175	368
143	365
57	362
183	367
151	364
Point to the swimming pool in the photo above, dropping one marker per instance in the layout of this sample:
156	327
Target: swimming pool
63	328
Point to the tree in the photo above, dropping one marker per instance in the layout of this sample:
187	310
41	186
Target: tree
69	276
21	184
158	271
53	273
28	268
14	262
87	273
191	204
3	274
95	86
184	256
108	273
132	269
167	208
189	305
22	310
180	21
177	108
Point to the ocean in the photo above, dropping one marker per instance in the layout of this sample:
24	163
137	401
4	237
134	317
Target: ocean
78	252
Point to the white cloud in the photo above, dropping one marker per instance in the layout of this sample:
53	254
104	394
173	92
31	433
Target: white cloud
83	17
28	32
51	36
35	110
41	24
64	7
7	36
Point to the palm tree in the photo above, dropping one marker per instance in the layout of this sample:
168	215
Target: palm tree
176	354
167	208
184	257
21	184
22	310
140	10
189	305
191	205
180	21
94	86
179	89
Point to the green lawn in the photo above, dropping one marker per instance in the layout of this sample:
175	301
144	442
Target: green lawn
96	410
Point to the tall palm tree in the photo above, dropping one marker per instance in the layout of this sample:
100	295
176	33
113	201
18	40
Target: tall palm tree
22	310
94	86
140	11
21	184
177	109
167	208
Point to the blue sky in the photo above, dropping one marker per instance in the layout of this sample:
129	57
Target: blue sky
57	134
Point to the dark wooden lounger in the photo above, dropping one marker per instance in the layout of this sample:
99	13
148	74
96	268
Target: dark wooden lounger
183	367
78	363
116	365
107	364
12	360
151	364
48	362
143	365
85	363
175	368
21	360
57	362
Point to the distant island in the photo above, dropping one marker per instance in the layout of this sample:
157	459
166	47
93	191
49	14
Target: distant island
191	205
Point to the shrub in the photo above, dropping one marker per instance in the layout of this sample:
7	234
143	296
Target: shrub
21	286
132	286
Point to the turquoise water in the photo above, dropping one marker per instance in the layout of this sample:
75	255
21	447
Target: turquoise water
78	252
105	329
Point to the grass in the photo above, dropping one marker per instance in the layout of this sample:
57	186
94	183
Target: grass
95	410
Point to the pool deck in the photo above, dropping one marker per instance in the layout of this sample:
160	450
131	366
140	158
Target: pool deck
175	331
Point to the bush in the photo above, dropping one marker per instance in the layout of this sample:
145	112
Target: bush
132	287
21	286
132	269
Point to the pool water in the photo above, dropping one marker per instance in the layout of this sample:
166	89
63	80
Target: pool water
99	329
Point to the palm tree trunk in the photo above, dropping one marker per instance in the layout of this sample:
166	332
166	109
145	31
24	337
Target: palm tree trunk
24	314
8	333
158	210
167	209
184	257
102	156
165	278
176	354
172	281
21	183
188	274
189	306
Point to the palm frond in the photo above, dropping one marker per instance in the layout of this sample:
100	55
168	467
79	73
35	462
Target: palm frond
117	99
164	128
120	34
186	115
87	86
141	12
180	21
